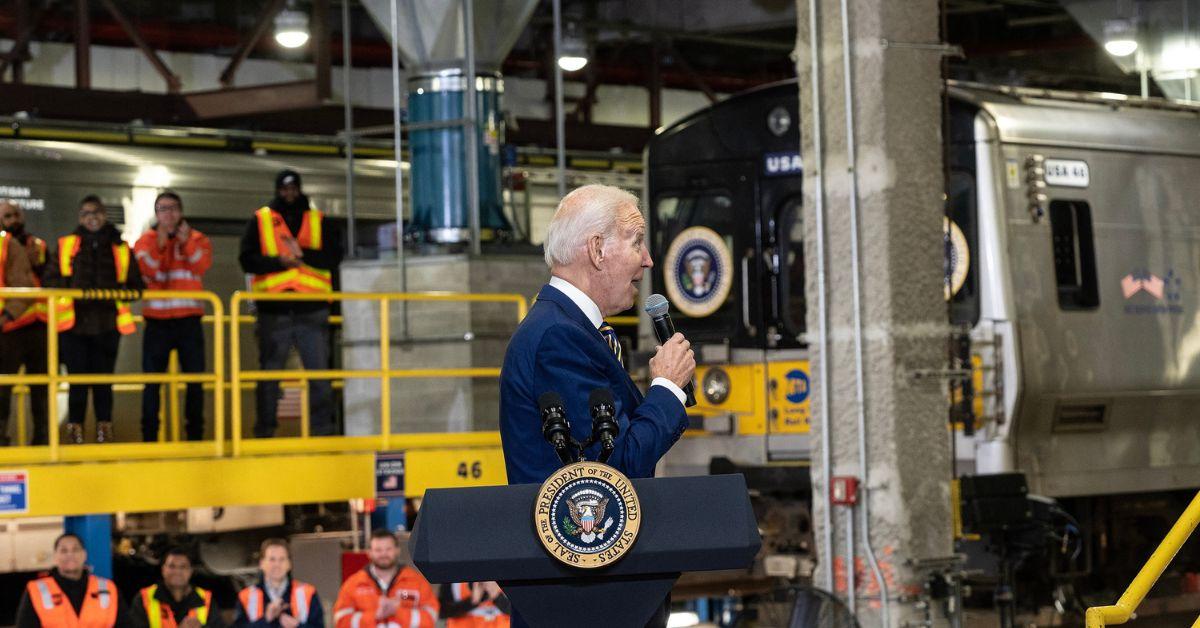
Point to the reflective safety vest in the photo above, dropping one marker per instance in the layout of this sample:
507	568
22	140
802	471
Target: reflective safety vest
254	601
274	239
68	248
36	310
486	615
54	610
160	615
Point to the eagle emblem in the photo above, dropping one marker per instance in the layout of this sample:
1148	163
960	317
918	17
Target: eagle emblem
586	509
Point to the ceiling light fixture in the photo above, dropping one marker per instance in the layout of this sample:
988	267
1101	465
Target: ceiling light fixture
1120	37
573	54
291	27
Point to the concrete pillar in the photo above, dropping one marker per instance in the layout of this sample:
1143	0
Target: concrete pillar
897	158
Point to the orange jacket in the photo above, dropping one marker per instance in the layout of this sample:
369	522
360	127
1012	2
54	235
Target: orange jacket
54	611
360	594
484	615
176	266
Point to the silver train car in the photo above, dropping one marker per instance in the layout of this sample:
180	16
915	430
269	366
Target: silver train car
1085	263
1073	263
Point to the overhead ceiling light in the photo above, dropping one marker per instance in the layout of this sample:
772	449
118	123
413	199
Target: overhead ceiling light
291	27
1120	37
573	54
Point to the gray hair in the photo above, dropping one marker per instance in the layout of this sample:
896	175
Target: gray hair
587	211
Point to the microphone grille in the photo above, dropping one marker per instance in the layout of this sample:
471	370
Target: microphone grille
656	305
549	400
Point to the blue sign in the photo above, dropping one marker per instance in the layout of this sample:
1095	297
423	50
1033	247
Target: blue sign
389	474
797	386
14	492
781	164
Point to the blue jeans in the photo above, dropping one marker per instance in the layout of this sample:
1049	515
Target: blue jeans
277	334
186	336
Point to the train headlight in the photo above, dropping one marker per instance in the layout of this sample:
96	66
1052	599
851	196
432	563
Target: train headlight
715	386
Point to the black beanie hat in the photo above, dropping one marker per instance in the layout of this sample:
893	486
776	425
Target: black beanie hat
287	176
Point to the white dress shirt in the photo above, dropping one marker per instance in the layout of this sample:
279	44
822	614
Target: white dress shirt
592	311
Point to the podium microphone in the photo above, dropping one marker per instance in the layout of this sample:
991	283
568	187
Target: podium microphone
555	427
604	424
656	307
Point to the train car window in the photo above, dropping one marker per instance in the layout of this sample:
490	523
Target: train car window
791	286
1074	255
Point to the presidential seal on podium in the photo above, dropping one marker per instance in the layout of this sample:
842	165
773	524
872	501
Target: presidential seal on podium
587	515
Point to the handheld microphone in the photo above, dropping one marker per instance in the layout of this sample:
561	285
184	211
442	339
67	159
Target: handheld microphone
555	427
656	307
604	424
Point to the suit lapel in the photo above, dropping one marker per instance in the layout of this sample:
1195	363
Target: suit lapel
568	307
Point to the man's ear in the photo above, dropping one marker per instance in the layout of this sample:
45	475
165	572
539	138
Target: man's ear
596	250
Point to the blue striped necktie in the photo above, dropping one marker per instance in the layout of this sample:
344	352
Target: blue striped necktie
610	336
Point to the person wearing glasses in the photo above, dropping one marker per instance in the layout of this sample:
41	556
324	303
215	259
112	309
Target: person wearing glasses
173	256
93	256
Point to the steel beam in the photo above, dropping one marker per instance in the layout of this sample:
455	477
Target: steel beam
172	79
83	45
242	101
270	10
319	44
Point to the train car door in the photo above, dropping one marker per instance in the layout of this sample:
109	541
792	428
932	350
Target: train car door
705	220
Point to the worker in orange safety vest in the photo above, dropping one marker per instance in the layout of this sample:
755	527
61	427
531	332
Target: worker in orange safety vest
69	596
22	321
386	593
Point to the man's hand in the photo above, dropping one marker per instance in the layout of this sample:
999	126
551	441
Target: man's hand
183	231
387	608
477	593
674	360
285	621
190	622
274	610
491	590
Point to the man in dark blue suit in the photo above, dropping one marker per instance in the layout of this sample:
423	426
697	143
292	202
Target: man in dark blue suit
595	248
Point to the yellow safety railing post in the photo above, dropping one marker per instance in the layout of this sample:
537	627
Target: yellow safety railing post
173	394
219	374
385	382
52	376
235	371
20	393
1119	613
305	425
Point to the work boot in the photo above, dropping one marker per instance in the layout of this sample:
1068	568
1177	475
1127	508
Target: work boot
74	433
104	432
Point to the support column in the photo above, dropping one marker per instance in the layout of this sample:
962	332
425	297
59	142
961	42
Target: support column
83	45
96	532
879	161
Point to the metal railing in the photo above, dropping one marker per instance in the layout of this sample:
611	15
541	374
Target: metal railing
52	378
239	380
385	373
1119	613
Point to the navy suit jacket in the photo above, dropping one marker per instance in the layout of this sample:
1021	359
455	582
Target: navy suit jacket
557	349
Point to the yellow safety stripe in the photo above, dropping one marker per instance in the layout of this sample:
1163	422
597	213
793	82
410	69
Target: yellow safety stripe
153	608
4	238
66	253
202	612
314	228
266	232
121	257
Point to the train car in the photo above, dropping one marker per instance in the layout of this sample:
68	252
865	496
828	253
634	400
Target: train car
1072	250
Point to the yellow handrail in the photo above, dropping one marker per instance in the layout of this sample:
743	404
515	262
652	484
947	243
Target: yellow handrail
53	378
238	380
1119	613
384	373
